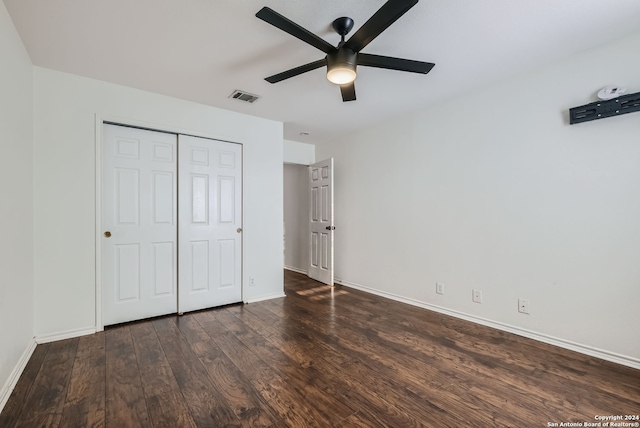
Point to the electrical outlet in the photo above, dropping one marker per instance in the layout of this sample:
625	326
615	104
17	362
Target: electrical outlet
523	306
477	296
439	288
252	281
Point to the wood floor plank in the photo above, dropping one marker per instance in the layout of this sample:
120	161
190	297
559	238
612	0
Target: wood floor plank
191	329
245	402
165	402
290	407
307	381
169	409
155	371
361	419
125	401
299	343
206	404
45	403
15	405
85	402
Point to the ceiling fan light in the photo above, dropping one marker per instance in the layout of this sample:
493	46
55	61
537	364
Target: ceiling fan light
341	66
341	75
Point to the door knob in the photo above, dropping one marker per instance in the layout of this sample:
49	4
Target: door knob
239	230
107	234
330	228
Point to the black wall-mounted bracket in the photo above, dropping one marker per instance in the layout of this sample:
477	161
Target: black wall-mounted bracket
601	109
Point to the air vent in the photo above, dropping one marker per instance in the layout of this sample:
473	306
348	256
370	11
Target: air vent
244	96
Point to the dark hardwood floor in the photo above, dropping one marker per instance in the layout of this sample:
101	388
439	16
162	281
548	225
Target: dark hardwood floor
320	357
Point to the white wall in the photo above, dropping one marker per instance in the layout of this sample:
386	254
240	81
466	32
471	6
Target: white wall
16	204
496	191
65	232
299	153
296	217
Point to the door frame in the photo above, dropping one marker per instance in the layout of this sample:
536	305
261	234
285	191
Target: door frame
100	120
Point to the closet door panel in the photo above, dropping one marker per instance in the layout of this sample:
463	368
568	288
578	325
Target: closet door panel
139	230
210	195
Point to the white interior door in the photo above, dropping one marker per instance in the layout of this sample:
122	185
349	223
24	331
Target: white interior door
210	206
139	224
321	222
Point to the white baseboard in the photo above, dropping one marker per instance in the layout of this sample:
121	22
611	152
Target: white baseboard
562	343
263	298
7	389
295	269
69	334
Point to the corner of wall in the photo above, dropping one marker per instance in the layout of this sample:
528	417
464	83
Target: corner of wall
15	374
17	209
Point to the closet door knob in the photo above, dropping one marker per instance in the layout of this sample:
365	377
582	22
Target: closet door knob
239	230
107	234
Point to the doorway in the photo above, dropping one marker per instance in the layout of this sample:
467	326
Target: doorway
296	216
309	220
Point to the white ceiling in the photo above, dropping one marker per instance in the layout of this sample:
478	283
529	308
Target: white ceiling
201	50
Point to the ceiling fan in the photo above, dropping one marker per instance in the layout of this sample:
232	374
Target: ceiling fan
341	61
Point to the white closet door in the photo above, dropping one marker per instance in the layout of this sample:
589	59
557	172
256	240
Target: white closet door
139	224
210	221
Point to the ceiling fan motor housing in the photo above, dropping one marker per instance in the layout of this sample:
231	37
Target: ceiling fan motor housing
341	66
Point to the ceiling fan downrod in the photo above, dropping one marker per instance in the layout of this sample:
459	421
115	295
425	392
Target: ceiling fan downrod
342	26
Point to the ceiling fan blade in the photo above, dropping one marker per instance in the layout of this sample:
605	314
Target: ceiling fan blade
296	71
394	63
274	18
348	92
380	21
